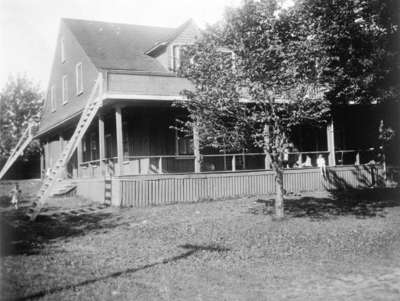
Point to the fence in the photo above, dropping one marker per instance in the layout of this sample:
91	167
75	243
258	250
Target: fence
142	191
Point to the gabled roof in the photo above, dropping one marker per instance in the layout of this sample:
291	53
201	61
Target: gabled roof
121	46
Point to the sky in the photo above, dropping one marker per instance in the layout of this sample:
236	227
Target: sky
28	28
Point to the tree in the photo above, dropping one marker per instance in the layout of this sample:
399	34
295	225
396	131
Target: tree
273	66
20	103
360	41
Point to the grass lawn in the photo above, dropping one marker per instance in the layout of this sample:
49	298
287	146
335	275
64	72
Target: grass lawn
342	247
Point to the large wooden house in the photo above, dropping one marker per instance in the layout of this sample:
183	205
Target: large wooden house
131	150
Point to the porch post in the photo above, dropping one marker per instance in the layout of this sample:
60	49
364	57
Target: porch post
61	144
196	150
101	143
79	156
42	167
120	145
47	157
330	133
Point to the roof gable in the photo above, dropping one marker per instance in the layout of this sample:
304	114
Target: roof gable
188	29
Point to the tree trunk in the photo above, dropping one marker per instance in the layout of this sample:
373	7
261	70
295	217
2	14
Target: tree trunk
279	209
277	169
267	160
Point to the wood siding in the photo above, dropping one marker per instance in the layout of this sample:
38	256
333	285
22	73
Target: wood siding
93	189
73	55
146	84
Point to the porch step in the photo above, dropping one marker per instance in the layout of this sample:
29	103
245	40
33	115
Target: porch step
63	188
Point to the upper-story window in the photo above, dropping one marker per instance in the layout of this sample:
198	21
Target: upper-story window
228	57
177	56
79	78
62	49
65	95
52	99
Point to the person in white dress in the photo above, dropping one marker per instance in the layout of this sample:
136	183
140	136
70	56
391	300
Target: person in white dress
15	194
321	164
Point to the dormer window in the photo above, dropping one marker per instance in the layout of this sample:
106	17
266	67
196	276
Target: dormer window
177	56
62	48
65	89
52	99
79	78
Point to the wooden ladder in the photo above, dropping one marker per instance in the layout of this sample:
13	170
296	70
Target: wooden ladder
89	112
18	150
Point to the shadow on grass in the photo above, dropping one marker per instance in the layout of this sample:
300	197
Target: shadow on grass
192	249
21	236
359	191
208	248
362	203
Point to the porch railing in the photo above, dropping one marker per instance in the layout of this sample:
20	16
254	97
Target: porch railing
220	162
355	156
92	168
160	163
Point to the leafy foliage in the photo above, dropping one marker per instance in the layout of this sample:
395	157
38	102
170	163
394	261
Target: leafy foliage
273	66
20	103
360	40
278	65
214	104
290	66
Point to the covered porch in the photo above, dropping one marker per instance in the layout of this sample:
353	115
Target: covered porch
133	135
132	156
138	138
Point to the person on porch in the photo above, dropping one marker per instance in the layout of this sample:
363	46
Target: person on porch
321	164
